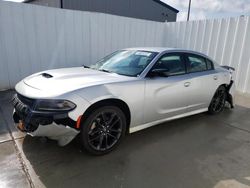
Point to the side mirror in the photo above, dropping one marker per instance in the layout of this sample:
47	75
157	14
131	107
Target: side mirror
158	73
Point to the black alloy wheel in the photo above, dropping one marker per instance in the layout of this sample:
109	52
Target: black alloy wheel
103	130
218	102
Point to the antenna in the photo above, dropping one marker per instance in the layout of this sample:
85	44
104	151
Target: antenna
189	7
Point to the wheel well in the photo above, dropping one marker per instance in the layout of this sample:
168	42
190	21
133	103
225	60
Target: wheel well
113	102
229	97
224	85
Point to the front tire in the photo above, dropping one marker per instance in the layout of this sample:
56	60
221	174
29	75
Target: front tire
218	102
103	130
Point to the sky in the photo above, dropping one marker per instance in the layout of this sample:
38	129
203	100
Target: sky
206	9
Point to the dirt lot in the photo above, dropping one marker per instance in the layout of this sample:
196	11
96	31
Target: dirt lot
199	151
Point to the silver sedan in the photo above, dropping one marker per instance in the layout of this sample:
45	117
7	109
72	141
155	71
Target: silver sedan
126	91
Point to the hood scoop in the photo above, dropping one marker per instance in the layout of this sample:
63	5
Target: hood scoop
60	81
46	75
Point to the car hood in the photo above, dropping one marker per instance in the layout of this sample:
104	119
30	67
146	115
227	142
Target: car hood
59	81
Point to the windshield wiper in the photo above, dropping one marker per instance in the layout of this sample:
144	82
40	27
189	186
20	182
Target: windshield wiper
104	70
85	66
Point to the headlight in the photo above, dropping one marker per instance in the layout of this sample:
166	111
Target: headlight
54	105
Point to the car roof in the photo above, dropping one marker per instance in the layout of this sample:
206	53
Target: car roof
161	49
165	49
151	49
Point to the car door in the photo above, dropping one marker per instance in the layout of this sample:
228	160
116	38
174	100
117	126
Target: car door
202	79
165	95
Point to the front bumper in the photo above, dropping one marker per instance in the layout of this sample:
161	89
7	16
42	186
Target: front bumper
60	133
54	125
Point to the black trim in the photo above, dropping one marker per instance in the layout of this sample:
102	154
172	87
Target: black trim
23	99
166	5
32	119
229	98
228	67
32	104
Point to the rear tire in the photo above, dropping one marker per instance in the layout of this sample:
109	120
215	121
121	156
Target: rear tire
103	130
218	101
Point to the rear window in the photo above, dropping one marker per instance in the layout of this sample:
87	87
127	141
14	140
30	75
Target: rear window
209	65
196	63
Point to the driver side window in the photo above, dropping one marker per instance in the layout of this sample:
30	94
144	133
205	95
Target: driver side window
172	63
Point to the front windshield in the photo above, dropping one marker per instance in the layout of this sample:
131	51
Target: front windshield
125	62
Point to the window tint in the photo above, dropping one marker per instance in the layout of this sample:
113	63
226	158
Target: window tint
143	61
173	65
196	63
209	64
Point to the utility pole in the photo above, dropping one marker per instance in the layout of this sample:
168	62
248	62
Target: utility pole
61	3
189	7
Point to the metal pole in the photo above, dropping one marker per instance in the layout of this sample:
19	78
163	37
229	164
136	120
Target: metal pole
61	3
189	7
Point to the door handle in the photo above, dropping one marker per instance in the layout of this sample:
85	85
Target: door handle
215	77
187	84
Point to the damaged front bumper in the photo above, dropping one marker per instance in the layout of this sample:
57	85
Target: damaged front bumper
54	125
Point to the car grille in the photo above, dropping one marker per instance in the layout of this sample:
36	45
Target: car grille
22	104
27	101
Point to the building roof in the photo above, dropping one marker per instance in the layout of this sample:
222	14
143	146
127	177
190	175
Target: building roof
166	5
27	1
157	1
